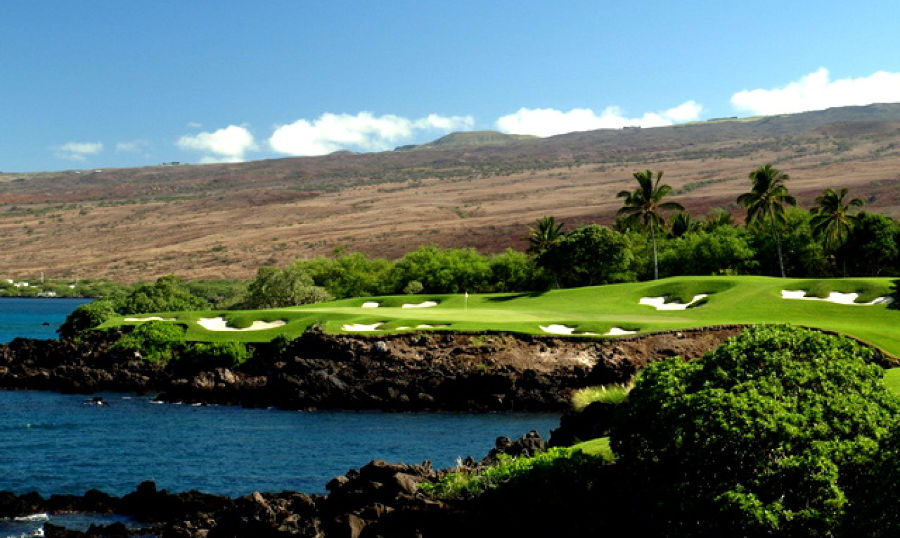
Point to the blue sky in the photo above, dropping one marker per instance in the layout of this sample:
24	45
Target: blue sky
94	84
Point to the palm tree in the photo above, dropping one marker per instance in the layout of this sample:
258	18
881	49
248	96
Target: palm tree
766	200
716	218
832	221
544	234
644	207
682	223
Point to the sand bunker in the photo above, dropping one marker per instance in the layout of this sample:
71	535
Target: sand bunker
834	297
426	304
427	326
660	303
361	327
151	318
618	331
370	304
557	329
219	324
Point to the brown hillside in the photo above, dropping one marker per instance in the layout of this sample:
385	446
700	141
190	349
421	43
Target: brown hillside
225	220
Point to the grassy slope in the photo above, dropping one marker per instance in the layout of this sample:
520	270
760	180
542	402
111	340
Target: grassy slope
592	309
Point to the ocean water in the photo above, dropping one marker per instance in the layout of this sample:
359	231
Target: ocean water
33	318
55	443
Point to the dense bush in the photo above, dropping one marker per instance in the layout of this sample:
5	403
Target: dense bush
212	355
274	287
873	248
86	317
723	250
449	270
766	436
167	294
219	293
515	271
590	255
153	340
875	513
349	275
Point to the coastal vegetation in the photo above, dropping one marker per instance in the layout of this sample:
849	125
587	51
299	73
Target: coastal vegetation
780	431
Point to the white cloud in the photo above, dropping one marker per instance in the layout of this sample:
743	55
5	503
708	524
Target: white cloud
816	91
228	144
194	125
363	131
78	151
549	121
131	146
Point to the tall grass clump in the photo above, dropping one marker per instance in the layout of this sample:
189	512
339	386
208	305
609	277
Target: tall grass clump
554	464
613	394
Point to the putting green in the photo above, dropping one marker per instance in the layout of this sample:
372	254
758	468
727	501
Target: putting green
592	310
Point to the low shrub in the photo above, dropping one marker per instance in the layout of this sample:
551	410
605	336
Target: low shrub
559	463
86	317
156	341
768	435
212	355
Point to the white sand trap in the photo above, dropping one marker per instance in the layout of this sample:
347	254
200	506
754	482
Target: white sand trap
618	331
219	324
361	327
151	318
834	297
660	303
557	329
426	304
427	326
370	304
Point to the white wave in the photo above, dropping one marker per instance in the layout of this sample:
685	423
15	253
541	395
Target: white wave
33	517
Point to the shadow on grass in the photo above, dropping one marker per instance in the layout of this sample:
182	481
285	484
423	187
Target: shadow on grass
516	296
895	293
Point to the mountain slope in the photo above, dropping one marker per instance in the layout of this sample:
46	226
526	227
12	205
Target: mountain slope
228	219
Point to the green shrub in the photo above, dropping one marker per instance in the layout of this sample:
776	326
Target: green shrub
766	436
447	270
413	287
167	294
720	251
212	355
589	256
509	471
86	317
274	287
156	341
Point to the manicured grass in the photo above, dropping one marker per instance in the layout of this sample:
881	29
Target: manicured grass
596	447
746	299
892	380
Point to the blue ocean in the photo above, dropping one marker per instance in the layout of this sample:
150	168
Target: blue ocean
33	318
54	443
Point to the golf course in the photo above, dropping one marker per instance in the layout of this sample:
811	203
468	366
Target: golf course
597	311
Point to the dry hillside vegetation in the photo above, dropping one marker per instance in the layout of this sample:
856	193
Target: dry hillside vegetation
225	220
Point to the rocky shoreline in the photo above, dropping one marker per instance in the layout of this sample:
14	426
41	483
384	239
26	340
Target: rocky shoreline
379	499
430	371
409	372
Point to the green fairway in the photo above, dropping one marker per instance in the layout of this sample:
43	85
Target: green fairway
585	311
